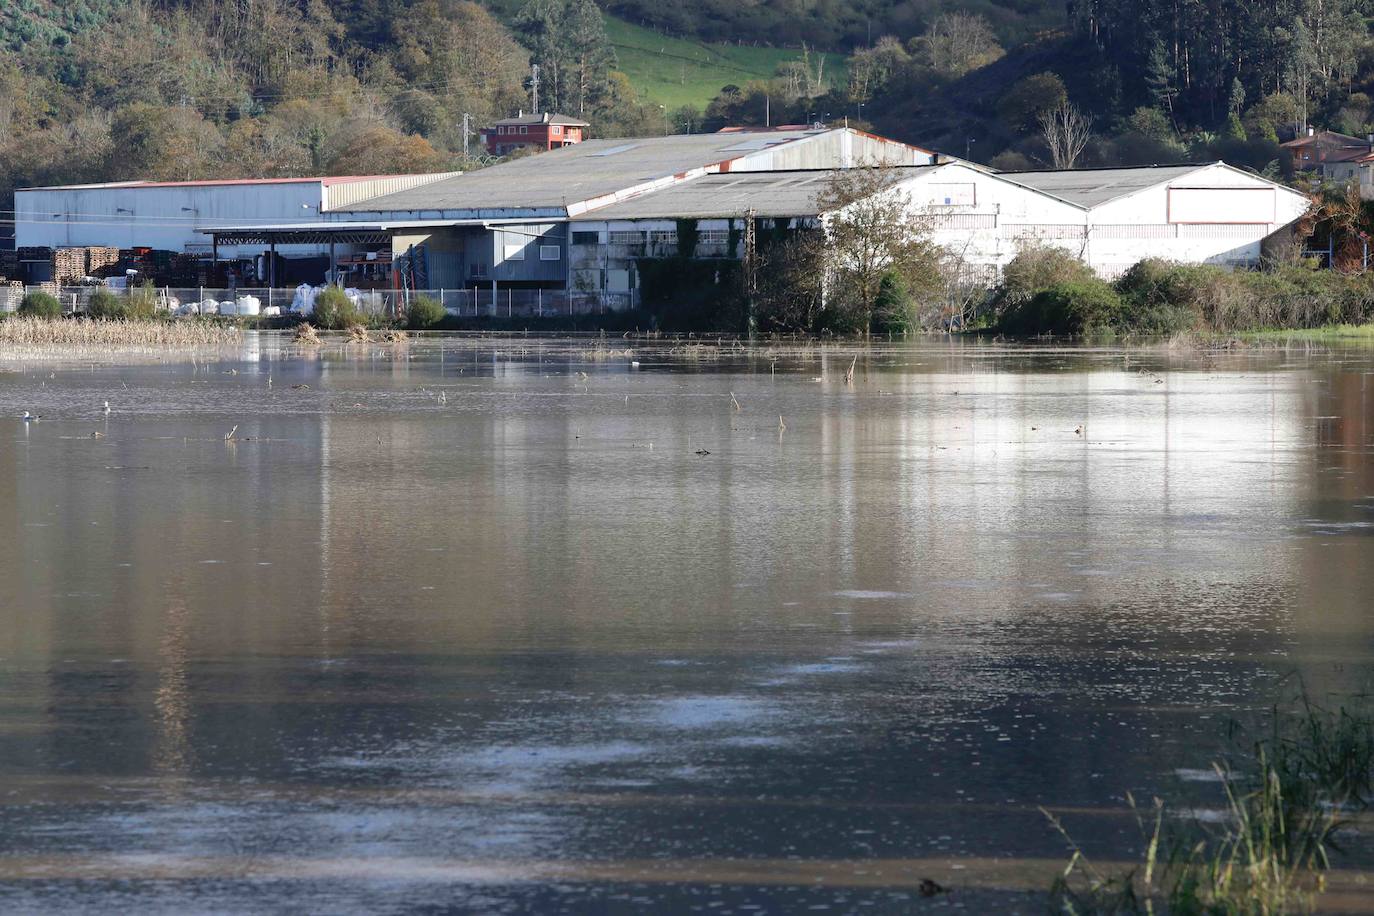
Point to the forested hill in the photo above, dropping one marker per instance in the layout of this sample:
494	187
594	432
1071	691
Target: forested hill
833	24
104	89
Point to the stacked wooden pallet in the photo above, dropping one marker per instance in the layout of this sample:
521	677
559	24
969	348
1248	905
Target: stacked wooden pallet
68	265
99	257
11	294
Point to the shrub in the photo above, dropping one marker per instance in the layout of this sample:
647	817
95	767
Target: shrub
1034	269
1069	307
892	309
333	310
40	305
106	306
424	312
143	302
1162	297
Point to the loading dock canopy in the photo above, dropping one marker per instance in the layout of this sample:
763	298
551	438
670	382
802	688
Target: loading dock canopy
345	233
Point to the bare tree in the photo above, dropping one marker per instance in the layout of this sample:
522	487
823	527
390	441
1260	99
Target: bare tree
962	288
956	43
872	232
1066	131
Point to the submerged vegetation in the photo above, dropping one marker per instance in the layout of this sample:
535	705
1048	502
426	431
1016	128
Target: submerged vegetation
1284	798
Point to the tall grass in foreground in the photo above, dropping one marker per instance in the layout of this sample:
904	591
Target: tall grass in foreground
1268	848
22	331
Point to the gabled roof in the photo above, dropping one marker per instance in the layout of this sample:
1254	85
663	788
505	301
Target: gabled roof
581	172
1088	188
767	194
545	118
1326	136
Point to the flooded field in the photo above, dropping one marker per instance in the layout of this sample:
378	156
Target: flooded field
519	626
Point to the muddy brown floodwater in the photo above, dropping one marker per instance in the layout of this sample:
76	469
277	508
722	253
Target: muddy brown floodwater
515	626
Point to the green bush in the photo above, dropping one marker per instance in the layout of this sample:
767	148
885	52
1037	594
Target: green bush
333	310
1163	297
40	305
1034	269
106	306
424	312
1080	306
142	302
892	309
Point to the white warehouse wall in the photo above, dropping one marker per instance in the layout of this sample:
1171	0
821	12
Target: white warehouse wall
1216	215
987	220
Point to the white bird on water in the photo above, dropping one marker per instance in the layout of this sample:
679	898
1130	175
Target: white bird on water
107	408
29	416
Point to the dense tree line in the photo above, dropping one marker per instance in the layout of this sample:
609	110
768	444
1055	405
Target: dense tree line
267	88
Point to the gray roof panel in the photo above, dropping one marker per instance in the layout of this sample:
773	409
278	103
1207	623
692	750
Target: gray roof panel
582	171
1093	187
768	194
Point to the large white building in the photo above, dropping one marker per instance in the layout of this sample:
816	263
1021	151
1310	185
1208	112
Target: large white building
1109	218
578	220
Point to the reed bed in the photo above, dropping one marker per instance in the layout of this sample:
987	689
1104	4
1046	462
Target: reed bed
20	331
1307	772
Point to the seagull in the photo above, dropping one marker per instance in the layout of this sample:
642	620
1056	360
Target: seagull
107	408
29	416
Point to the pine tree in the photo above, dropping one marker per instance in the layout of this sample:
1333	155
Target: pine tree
591	57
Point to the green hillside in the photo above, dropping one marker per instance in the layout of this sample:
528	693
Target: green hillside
673	72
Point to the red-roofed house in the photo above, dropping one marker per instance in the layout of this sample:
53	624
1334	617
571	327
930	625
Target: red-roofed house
543	131
1335	157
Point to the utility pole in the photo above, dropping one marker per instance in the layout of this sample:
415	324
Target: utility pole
534	87
467	133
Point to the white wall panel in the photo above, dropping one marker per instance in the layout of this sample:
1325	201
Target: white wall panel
1221	205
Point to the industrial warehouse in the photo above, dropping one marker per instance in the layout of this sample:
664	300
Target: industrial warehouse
567	229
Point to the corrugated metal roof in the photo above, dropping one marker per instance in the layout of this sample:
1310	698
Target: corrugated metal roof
581	172
217	182
768	194
1092	187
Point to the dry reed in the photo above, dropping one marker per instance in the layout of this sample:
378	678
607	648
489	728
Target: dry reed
22	331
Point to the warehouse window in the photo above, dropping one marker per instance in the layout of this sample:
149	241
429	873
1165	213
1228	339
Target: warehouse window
713	236
549	253
627	238
664	237
586	238
524	129
556	130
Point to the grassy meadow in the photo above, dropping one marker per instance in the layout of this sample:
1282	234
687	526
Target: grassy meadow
673	72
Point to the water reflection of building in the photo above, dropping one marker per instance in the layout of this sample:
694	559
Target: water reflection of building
528	518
